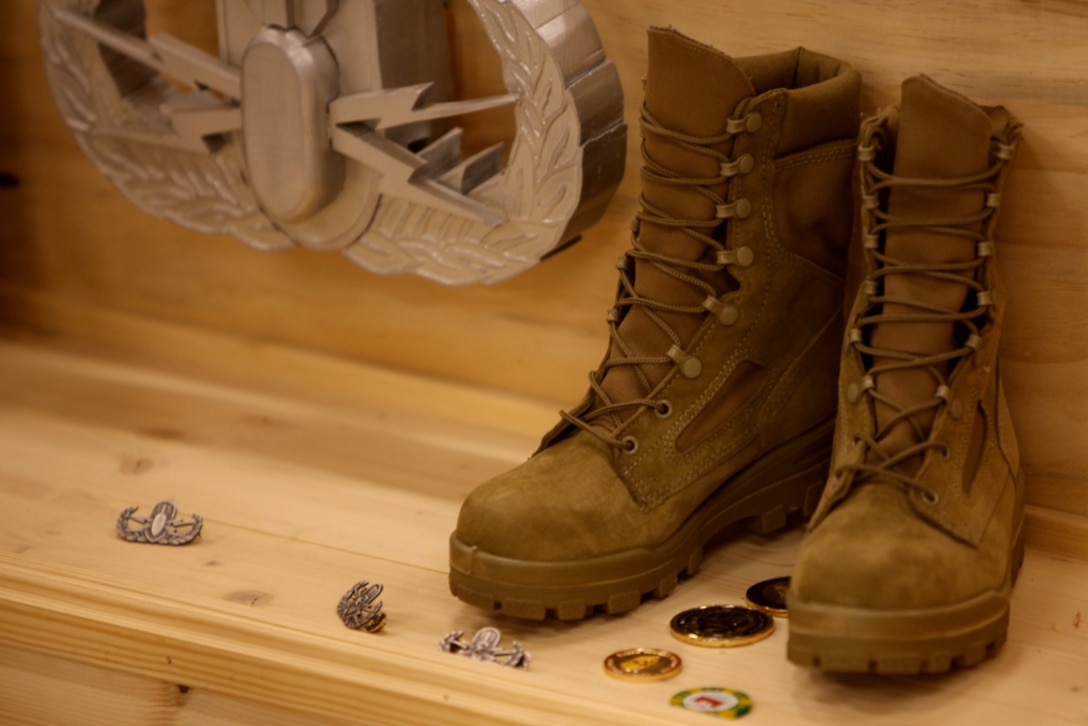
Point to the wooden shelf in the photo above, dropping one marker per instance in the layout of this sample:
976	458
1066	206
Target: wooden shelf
312	474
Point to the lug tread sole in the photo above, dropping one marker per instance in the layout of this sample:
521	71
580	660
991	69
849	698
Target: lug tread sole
902	657
564	593
912	642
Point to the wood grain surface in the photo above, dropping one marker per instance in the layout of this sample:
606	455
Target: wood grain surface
305	491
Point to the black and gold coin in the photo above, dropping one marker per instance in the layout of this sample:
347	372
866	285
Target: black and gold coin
642	664
770	596
721	626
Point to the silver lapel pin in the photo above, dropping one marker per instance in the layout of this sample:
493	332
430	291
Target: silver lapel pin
485	646
161	527
359	611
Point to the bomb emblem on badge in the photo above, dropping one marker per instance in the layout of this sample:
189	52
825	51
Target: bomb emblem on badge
329	124
162	526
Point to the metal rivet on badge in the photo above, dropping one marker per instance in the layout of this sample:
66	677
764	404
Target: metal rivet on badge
643	664
720	702
162	526
770	596
485	646
358	610
721	626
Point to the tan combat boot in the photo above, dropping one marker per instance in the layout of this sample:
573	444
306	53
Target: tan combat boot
909	560
715	401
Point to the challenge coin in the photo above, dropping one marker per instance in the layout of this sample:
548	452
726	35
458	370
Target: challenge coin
721	626
770	596
720	702
642	664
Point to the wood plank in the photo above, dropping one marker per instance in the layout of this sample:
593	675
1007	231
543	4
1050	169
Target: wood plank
246	613
1057	532
30	681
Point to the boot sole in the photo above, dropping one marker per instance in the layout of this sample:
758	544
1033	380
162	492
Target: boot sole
903	642
794	473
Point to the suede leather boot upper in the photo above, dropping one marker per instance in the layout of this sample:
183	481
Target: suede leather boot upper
910	556
715	399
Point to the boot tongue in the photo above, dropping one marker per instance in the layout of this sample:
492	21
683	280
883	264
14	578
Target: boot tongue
942	135
691	89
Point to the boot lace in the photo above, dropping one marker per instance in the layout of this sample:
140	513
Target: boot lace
594	421
876	184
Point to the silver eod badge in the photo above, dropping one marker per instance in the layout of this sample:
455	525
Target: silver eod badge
329	124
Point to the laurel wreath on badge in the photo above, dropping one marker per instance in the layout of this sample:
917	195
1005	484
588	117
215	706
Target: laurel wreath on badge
536	195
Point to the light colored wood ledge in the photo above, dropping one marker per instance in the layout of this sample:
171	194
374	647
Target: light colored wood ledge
313	473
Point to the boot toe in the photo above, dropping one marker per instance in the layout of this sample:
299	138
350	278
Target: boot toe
874	552
565	503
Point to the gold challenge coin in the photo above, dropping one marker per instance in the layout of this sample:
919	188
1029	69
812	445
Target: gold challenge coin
642	664
721	626
770	596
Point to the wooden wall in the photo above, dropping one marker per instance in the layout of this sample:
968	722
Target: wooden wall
75	256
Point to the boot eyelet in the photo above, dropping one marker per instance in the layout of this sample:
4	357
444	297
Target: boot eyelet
690	366
930	497
856	388
745	256
753	122
853	392
744	208
946	454
630	444
726	314
663	409
746	163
